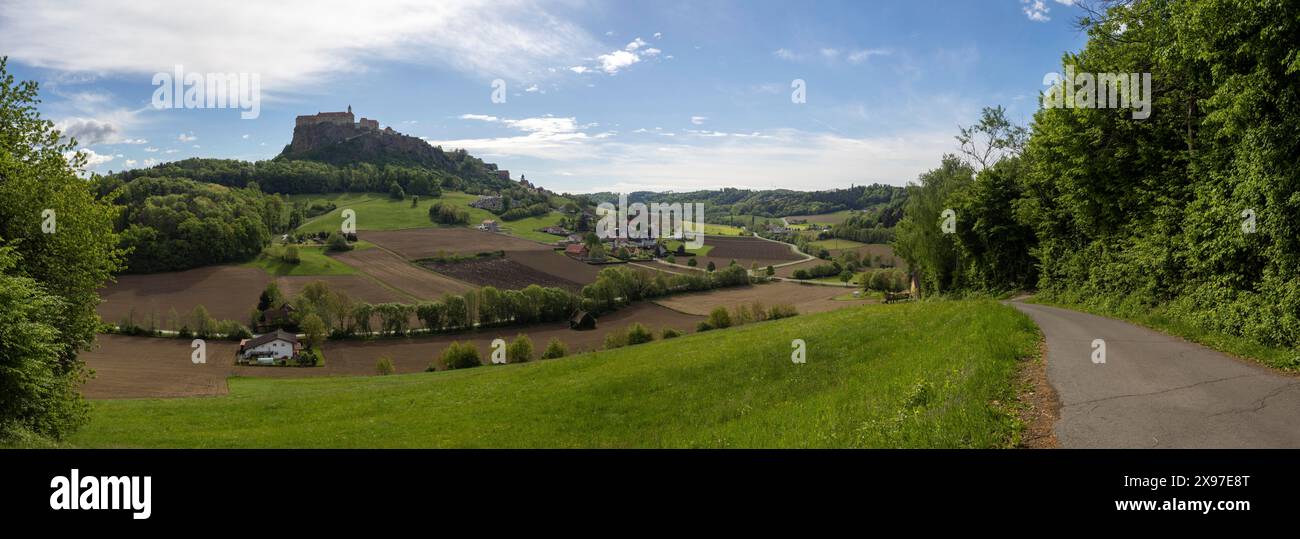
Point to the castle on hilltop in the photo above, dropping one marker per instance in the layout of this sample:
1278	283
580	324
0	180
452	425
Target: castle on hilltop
337	118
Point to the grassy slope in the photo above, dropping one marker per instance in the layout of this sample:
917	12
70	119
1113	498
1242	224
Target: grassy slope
836	243
314	261
375	211
527	228
911	375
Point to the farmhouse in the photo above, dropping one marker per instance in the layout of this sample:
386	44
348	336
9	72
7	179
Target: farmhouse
555	230
489	225
279	344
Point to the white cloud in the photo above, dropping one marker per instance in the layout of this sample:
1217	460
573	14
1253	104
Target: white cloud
290	42
830	53
92	159
479	117
134	141
245	136
187	137
862	55
785	54
579	69
130	163
87	131
532	89
1037	10
659	35
151	149
614	61
698	120
635	44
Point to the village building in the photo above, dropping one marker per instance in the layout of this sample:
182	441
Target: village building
576	250
269	347
489	225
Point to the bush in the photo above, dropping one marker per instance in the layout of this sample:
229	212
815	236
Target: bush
669	333
712	266
637	334
233	330
520	350
692	263
781	311
384	366
615	339
555	349
307	358
719	318
290	255
460	355
337	243
703	326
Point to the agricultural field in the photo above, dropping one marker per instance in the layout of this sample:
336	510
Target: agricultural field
871	250
505	273
227	292
143	367
834	218
804	298
746	251
934	374
429	242
410	280
527	228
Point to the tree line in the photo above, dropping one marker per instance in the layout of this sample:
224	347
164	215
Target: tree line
1190	211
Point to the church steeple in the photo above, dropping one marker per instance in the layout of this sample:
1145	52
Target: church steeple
349	109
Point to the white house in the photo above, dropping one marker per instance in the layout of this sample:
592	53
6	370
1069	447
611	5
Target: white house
279	344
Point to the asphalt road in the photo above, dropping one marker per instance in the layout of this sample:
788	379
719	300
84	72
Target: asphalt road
1155	390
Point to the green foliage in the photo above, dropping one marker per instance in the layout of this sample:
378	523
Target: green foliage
384	366
719	318
555	349
520	350
314	329
460	355
336	243
448	214
669	333
171	224
638	334
290	255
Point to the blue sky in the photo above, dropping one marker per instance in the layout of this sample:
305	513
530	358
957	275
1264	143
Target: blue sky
599	95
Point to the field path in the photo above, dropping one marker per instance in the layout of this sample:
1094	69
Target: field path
1155	390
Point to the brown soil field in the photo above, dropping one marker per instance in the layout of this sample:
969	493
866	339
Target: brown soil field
503	273
357	287
806	298
555	263
391	270
144	367
228	292
745	251
426	242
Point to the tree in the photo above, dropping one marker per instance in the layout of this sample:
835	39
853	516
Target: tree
770	271
991	140
920	238
692	263
384	366
712	266
291	255
846	276
395	192
314	329
460	355
415	201
69	264
270	297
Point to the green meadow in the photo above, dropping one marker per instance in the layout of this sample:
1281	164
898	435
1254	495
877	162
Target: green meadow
925	374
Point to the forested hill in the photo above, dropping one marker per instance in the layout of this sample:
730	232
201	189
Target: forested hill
296	176
887	200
